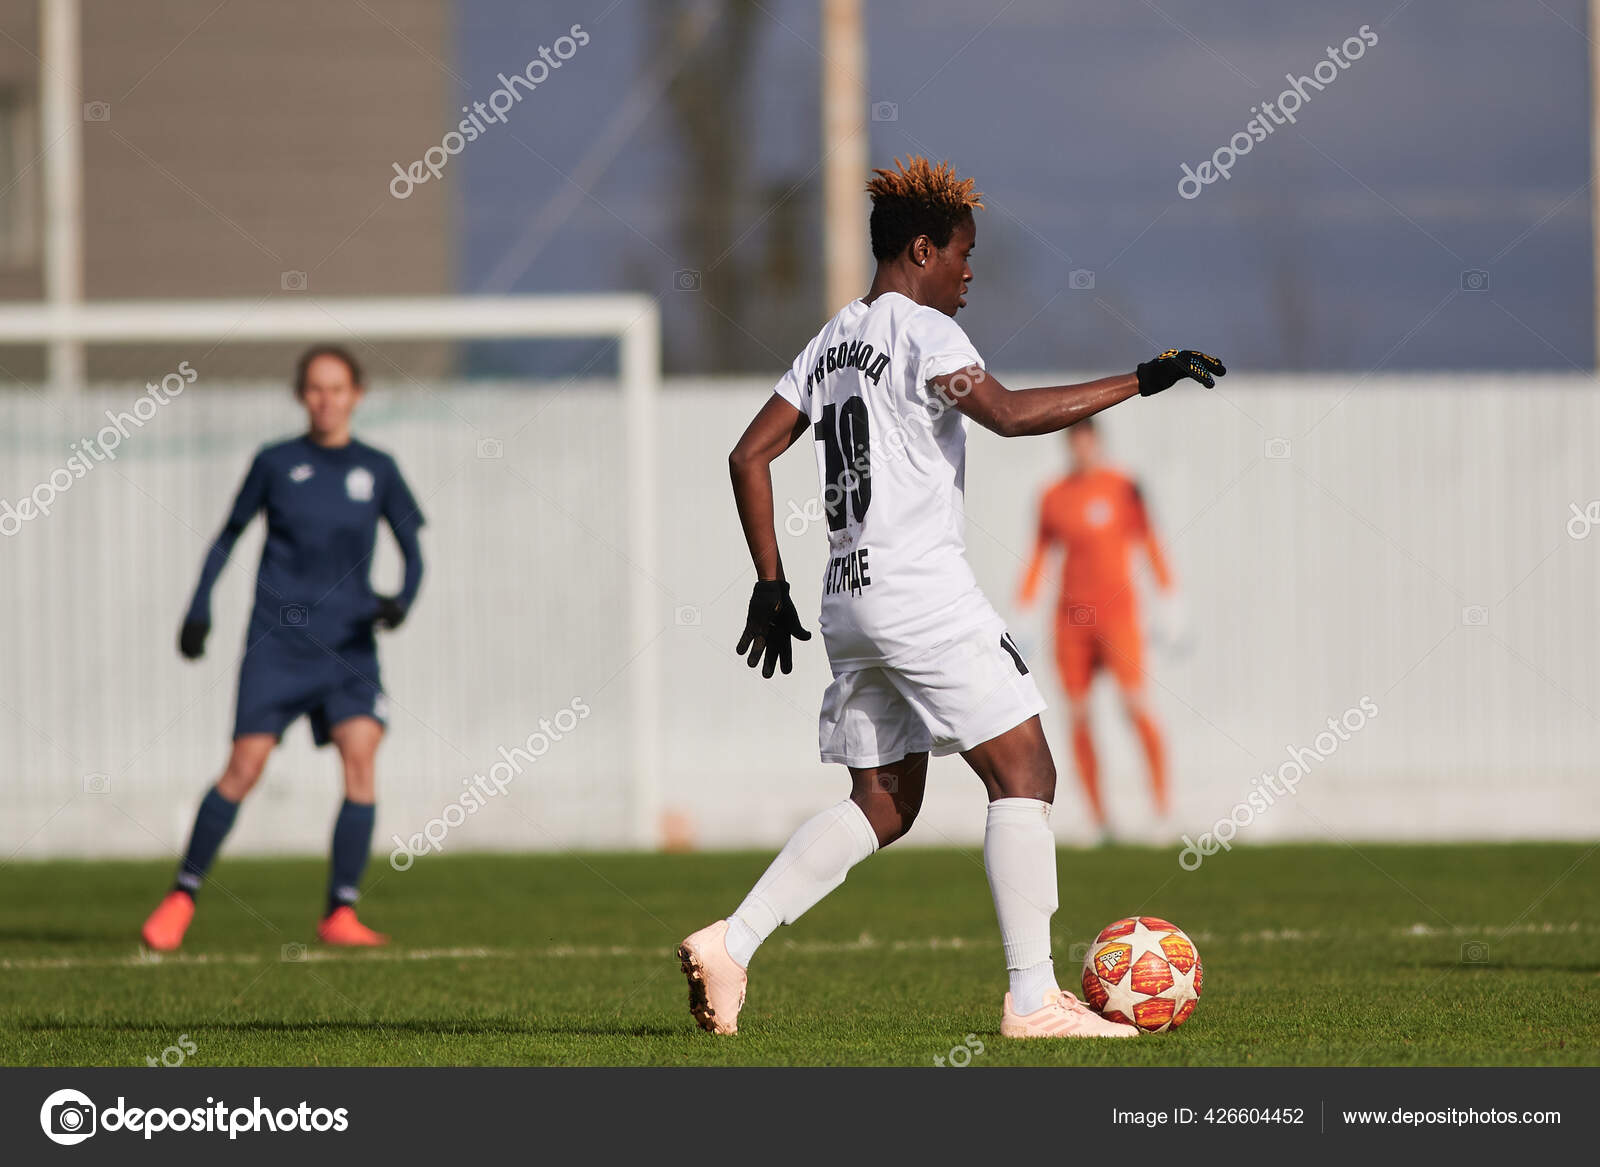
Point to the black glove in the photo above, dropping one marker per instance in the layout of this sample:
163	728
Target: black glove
1173	366
192	639
391	612
769	625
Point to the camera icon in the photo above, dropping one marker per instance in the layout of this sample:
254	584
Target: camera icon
1080	615
1276	449
70	1121
1080	279
293	953
686	280
1078	953
686	616
490	448
1475	615
885	111
97	111
293	615
97	783
293	281
1474	952
1475	280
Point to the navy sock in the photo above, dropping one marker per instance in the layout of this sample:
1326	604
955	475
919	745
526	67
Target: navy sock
352	841
211	826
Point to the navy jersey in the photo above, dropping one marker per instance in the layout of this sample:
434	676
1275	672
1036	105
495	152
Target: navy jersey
313	594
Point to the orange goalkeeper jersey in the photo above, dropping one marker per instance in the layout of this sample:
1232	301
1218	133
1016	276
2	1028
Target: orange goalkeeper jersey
1099	518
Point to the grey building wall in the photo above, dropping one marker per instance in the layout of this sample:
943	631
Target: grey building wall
227	145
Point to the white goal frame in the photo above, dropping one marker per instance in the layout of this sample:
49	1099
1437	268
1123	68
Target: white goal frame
633	320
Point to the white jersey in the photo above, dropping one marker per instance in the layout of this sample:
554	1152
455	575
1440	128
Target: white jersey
891	459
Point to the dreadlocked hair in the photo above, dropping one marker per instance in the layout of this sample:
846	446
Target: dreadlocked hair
917	198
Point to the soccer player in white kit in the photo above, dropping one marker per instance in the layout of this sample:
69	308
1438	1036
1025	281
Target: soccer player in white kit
921	661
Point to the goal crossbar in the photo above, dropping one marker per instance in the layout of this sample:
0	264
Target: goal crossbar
386	317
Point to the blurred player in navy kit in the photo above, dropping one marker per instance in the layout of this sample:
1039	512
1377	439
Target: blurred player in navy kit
310	647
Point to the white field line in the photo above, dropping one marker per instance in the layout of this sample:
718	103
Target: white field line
865	943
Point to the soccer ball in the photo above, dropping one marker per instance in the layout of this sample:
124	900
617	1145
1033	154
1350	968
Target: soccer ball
1142	971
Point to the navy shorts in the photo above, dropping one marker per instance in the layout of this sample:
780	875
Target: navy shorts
274	690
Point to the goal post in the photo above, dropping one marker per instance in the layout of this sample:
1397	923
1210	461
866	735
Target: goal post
632	321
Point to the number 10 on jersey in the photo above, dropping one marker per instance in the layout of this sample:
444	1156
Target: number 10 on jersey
847	481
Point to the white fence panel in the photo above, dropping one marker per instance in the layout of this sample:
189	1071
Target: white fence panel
1405	541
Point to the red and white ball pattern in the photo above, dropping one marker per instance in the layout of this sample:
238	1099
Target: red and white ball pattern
1143	971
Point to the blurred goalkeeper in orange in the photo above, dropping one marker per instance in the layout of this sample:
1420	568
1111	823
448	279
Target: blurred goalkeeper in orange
1097	516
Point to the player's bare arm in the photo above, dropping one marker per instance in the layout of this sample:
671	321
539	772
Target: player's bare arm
772	621
777	427
1014	413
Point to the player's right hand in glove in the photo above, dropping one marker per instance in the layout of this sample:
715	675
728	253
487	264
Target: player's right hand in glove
192	639
1174	365
769	627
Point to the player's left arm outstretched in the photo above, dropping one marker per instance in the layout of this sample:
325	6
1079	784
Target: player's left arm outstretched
404	517
771	624
1013	413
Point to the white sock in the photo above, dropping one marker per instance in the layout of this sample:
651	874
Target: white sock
1029	985
812	863
1019	853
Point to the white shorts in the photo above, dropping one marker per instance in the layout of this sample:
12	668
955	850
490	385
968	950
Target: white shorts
953	697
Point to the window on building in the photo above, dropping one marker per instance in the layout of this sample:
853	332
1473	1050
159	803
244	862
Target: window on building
19	180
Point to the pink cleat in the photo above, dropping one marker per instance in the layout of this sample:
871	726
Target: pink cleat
163	931
343	929
716	982
1062	1015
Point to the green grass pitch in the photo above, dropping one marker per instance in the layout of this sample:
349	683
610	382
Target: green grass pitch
1323	955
